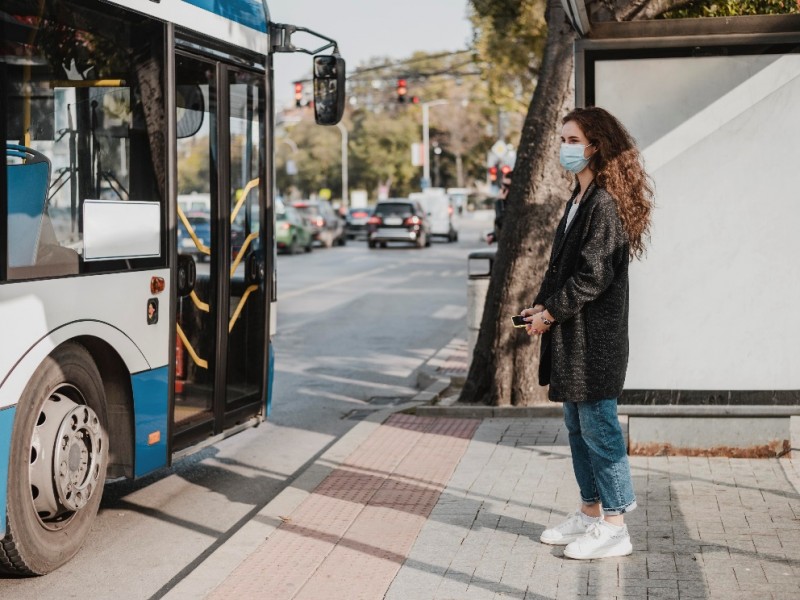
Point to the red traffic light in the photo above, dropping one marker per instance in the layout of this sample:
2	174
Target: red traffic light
402	90
505	169
493	174
298	94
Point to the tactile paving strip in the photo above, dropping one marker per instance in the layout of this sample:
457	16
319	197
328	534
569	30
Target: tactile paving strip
348	539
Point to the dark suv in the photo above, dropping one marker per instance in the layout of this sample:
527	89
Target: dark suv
398	220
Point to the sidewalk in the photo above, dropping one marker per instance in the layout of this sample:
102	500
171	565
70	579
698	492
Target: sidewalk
417	508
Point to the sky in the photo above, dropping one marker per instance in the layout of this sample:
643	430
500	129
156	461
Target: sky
365	29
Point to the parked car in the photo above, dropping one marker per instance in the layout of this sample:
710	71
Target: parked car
328	227
356	222
398	220
201	225
292	230
440	214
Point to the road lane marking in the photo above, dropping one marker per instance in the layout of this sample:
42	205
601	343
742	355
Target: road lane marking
450	312
333	283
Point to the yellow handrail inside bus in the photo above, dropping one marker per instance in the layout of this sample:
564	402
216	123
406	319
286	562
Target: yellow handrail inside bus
240	306
200	246
26	87
199	303
82	83
239	256
203	364
250	185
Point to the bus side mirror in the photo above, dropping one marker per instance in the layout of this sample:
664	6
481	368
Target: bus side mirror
329	82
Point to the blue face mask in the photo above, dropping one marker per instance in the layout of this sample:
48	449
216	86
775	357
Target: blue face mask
572	157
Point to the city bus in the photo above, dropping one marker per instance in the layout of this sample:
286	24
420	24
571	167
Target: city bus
135	329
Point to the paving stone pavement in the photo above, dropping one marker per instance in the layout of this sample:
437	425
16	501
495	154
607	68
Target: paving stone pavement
705	527
433	508
429	508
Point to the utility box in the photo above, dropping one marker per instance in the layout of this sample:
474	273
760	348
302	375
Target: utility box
479	272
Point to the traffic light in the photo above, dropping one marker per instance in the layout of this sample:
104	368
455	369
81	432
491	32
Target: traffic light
402	90
493	174
298	94
505	170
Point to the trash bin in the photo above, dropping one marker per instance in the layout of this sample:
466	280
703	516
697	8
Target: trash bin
479	271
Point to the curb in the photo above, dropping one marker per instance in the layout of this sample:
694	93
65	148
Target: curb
213	571
490	412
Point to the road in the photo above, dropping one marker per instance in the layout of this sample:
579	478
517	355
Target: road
354	326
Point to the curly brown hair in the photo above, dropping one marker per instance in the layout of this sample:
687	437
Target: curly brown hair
618	168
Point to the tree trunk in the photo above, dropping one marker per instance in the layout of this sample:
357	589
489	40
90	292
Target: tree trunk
505	363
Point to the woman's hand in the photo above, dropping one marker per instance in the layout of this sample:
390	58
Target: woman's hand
536	317
529	312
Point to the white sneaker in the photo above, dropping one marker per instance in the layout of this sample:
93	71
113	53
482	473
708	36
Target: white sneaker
601	540
568	531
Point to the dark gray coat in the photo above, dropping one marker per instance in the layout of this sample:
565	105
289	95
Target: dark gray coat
584	355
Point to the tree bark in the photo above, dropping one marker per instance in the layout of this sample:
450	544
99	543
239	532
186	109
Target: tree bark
504	367
505	362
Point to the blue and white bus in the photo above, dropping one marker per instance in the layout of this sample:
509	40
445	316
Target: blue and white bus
134	329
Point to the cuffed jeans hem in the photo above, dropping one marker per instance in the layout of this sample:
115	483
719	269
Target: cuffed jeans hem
586	502
611	512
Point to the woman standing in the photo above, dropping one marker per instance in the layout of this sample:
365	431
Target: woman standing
581	312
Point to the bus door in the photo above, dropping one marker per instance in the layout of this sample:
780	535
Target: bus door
220	326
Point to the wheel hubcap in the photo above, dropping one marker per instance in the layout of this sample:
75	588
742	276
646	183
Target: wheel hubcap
66	452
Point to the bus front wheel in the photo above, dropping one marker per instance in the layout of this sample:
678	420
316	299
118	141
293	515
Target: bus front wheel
59	454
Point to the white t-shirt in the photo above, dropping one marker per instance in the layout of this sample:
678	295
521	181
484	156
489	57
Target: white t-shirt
573	210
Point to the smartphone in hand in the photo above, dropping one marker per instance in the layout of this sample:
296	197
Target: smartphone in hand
519	321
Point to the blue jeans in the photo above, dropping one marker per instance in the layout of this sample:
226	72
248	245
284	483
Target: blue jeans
599	455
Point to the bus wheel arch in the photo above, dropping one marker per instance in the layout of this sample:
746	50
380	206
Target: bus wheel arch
46	527
119	405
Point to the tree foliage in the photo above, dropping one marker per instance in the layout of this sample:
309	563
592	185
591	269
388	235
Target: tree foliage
381	151
317	159
508	40
731	8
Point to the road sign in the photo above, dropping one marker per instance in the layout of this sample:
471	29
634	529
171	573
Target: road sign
501	153
499	148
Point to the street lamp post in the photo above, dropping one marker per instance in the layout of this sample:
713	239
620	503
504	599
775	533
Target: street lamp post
426	154
343	129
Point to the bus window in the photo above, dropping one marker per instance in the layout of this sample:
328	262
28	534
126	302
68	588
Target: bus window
85	121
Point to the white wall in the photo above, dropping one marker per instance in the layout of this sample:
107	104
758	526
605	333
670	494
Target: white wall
715	305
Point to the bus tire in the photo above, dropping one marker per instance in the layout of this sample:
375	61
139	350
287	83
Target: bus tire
54	489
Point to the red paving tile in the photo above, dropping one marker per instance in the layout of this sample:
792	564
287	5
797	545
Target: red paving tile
348	539
456	361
